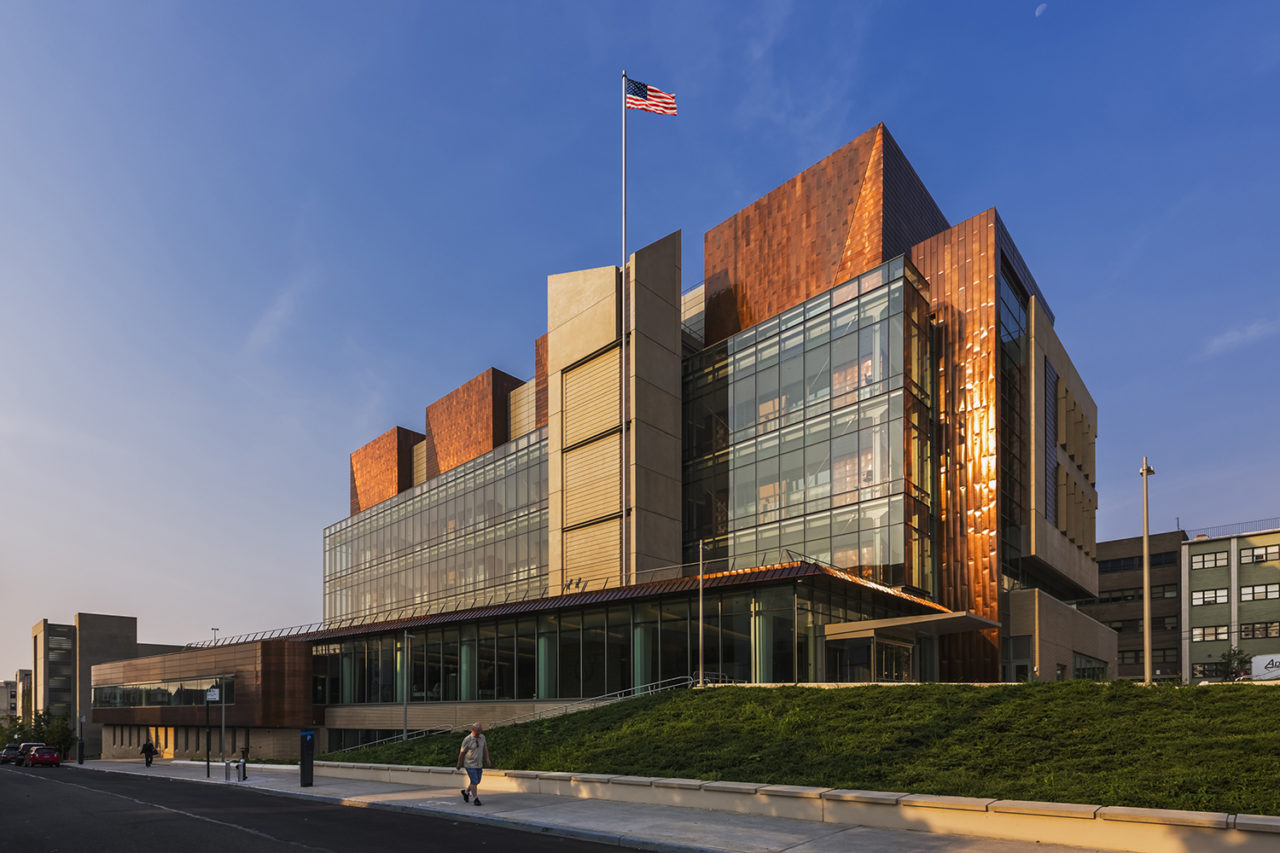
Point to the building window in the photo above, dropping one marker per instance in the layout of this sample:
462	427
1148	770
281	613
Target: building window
1260	554
1208	670
1209	596
1216	560
1259	630
1210	632
1157	656
1260	592
1129	564
1109	596
1159	623
1089	668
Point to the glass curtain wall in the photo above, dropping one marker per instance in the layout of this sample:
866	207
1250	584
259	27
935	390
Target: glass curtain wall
764	634
472	536
810	435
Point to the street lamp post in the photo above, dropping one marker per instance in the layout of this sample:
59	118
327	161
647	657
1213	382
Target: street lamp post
215	635
1146	472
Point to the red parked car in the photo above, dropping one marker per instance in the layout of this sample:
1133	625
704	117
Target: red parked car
44	755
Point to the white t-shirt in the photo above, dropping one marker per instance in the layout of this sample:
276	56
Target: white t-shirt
473	751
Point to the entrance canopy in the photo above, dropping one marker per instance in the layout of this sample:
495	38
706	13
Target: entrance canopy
930	624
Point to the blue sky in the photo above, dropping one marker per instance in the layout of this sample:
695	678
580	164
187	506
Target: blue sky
239	240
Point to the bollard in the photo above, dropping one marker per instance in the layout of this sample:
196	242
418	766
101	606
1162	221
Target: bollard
241	774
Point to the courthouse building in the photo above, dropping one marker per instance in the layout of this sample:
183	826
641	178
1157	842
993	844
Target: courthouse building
859	436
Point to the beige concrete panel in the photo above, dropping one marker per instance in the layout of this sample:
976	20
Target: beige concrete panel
572	293
656	268
1076	434
556	784
522	415
1049	544
420	463
860	813
656	493
582	315
656	319
693	303
591	397
593	552
1062	630
429	714
660	408
591	486
581	335
655	364
656	539
654	449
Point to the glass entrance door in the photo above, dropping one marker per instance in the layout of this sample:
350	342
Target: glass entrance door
893	661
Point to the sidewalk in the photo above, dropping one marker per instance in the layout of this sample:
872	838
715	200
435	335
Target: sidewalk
645	827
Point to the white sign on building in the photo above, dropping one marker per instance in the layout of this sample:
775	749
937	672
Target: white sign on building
1266	667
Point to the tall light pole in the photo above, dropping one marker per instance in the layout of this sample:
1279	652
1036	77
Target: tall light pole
215	635
1146	472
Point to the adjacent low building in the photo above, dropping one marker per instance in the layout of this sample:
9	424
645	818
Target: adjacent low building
8	698
1232	579
63	659
1118	604
261	698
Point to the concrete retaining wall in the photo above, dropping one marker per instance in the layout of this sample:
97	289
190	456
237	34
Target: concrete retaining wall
1100	827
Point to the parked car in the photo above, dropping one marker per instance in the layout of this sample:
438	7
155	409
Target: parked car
9	754
47	755
23	749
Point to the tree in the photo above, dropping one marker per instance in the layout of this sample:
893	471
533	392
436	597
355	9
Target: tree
41	728
58	732
9	729
1236	663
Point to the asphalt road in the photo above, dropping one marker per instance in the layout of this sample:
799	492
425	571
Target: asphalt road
46	809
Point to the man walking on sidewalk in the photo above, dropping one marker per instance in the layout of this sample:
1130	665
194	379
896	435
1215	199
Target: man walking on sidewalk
474	755
149	751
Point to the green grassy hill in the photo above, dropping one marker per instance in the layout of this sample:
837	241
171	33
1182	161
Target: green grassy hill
1201	748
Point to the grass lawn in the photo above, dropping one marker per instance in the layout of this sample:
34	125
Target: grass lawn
1210	748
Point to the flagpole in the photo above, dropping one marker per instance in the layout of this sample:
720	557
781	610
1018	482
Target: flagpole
622	359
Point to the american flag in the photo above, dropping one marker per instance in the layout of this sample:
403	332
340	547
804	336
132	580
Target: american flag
643	97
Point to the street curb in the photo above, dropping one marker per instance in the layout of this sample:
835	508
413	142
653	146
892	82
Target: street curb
532	827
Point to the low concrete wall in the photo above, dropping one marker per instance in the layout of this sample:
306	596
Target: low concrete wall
1099	827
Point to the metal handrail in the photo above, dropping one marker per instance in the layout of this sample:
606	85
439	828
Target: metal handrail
1237	529
674	683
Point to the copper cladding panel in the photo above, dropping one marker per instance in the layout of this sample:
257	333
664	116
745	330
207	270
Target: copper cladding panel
273	684
961	266
853	210
540	381
793	243
382	468
468	422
